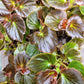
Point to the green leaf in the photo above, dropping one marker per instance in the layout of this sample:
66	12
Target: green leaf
53	19
46	40
2	40
24	79
3	77
41	62
24	7
32	50
32	21
75	27
79	41
71	2
2	29
73	54
70	76
20	48
78	66
16	28
82	9
58	4
70	45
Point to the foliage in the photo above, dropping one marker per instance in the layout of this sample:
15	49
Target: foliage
42	41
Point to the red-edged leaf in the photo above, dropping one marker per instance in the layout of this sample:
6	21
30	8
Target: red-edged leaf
70	76
46	40
24	79
53	19
46	77
58	4
15	28
75	27
9	4
20	60
42	14
25	7
10	71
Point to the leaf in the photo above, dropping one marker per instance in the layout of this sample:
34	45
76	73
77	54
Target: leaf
80	2
16	28
21	59
78	66
75	27
42	13
3	10
2	40
20	48
10	71
58	4
2	37
2	29
46	77
46	40
9	4
24	79
82	10
53	19
32	50
70	45
41	62
79	41
73	54
70	76
25	7
3	77
32	21
45	3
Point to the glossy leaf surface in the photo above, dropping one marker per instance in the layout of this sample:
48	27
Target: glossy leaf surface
47	77
38	62
9	4
15	28
70	45
58	4
23	79
78	66
78	41
70	76
53	19
32	21
45	3
25	7
75	27
42	12
20	48
20	60
46	40
82	10
73	54
32	50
